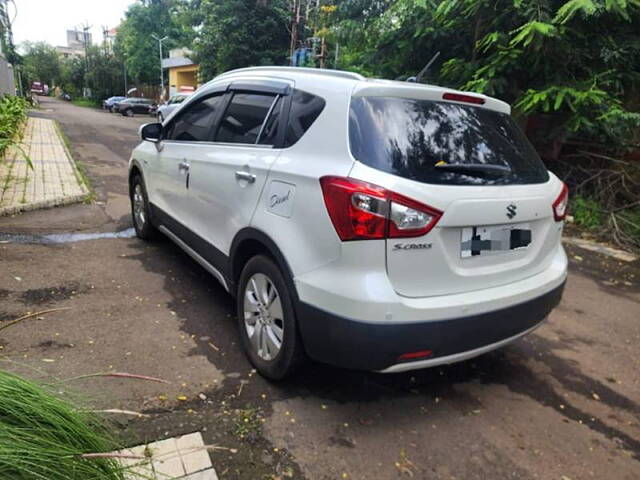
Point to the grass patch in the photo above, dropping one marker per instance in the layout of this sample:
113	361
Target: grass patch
247	423
87	102
587	213
79	170
43	436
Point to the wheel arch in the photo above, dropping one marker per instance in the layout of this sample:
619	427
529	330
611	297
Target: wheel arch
249	242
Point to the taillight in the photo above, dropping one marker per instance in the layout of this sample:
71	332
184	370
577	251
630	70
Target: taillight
362	211
561	204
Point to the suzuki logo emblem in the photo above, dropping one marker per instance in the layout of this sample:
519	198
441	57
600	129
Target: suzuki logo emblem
511	211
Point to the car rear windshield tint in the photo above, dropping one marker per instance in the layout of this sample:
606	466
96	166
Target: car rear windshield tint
442	143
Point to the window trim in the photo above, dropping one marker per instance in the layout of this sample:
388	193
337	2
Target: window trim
232	93
280	89
214	121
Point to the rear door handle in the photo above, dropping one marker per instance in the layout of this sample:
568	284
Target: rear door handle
183	166
246	176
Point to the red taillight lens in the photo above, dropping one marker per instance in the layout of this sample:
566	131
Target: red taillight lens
458	97
415	355
561	204
362	211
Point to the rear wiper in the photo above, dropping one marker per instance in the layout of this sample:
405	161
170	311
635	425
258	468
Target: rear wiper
474	168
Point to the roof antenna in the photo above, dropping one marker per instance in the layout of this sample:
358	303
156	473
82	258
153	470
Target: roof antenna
422	73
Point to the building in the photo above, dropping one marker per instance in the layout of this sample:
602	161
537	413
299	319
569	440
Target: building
77	40
7	82
109	38
183	72
7	78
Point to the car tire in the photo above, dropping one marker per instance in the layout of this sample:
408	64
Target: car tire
140	210
129	112
263	297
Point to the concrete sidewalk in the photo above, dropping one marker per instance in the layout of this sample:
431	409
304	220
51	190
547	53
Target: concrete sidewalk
54	179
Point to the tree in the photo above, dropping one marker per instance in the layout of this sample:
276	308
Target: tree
241	33
135	44
41	63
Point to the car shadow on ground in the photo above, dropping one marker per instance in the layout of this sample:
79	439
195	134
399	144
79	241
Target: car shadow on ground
208	315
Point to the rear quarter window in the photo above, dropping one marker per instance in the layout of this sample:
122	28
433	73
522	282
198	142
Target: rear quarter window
305	110
434	142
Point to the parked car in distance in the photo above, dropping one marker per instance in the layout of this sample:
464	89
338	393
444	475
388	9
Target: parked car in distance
168	107
131	106
368	224
38	88
109	103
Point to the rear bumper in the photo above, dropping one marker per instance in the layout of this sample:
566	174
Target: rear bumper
347	343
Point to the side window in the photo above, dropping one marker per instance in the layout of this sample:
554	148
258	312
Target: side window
195	123
270	130
242	122
305	109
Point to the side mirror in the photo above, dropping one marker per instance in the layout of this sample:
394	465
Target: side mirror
151	132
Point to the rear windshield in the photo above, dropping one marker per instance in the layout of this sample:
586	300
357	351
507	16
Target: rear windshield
442	143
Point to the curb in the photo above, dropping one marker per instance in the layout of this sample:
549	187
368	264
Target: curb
601	248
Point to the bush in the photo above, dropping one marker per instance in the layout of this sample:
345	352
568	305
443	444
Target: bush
587	212
43	437
13	113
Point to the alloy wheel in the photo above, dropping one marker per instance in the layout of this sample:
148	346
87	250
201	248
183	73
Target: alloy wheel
139	214
263	316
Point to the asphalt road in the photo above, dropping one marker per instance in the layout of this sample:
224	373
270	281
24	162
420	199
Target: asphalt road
563	403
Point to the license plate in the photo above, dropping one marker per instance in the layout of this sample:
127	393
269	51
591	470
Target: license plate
494	240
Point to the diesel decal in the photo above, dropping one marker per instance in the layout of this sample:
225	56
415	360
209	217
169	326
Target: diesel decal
276	200
412	246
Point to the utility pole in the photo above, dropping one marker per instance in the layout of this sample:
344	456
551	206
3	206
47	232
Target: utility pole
85	40
160	40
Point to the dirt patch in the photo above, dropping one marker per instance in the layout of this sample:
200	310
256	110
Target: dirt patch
228	423
47	295
616	276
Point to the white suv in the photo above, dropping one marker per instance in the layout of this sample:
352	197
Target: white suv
364	223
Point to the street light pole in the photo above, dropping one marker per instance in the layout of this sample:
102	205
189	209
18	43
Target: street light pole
160	40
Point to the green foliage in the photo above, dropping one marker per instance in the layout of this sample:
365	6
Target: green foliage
13	113
87	102
43	436
135	44
578	60
41	63
587	212
241	33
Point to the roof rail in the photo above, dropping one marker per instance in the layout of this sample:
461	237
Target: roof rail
315	71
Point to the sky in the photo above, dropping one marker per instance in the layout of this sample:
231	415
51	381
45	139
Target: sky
48	21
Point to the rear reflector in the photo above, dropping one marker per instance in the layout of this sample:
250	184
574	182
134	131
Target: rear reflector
415	355
561	204
363	211
458	97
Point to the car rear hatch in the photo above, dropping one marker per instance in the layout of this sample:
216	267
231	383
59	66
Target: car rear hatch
463	157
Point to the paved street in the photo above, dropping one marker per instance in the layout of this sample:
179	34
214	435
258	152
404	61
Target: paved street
563	403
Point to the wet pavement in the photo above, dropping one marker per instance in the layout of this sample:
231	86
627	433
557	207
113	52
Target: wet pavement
562	403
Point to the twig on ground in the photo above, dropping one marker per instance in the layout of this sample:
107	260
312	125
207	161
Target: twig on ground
30	315
131	376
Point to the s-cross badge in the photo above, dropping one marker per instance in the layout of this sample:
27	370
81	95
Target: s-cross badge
512	211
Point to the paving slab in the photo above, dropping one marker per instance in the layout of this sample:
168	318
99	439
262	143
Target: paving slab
54	179
184	457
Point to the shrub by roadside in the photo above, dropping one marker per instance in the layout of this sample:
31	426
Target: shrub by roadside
87	102
13	113
44	437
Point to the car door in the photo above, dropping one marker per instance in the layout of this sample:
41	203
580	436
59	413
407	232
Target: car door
141	107
185	139
227	182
